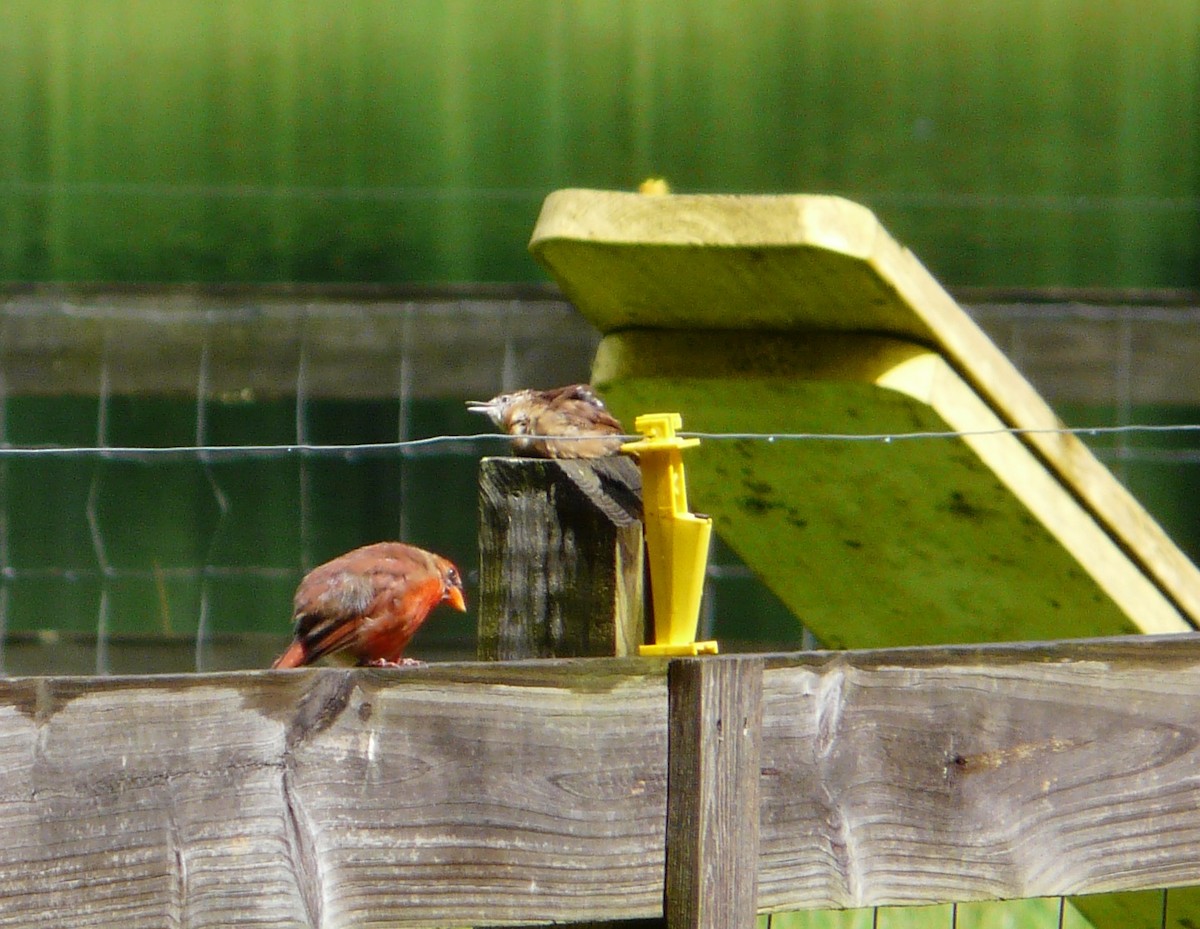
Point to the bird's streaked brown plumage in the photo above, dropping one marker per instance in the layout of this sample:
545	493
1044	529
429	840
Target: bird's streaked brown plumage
366	605
536	418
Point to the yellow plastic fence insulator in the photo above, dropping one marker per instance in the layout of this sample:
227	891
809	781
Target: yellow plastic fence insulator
676	540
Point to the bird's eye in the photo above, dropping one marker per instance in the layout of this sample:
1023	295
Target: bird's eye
452	578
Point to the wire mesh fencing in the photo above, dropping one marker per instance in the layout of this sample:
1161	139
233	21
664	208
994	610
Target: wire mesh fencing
171	462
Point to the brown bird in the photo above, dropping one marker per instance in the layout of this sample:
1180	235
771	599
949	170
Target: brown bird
365	605
562	412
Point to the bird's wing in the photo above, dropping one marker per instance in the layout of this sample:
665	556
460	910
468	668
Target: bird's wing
576	409
580	392
329	609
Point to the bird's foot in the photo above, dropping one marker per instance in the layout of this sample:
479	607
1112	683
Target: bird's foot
402	663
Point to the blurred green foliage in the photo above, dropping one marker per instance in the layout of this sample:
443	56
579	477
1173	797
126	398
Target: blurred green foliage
1008	142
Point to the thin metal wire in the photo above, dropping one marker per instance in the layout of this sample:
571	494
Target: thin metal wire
404	392
510	377
5	553
1163	924
208	571
441	444
1124	394
305	478
92	513
102	664
1062	911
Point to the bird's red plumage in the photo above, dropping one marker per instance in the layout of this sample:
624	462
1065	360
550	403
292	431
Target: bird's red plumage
367	604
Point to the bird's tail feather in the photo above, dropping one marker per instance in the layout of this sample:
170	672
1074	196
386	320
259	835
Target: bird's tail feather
294	657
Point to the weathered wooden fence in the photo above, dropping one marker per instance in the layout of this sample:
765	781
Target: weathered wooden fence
583	790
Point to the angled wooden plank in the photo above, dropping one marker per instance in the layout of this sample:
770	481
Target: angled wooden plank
804	263
871	543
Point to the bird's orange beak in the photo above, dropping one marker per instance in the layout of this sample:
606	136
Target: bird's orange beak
454	596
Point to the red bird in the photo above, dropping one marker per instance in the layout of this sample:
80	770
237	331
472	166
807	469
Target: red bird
365	605
573	412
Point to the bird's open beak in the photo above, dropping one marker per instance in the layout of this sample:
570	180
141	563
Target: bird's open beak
481	406
454	596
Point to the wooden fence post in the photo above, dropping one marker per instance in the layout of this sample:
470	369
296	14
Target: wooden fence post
713	770
561	566
560	546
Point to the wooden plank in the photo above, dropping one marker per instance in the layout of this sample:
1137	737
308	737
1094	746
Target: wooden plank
926	775
561	567
156	337
714	749
961	539
535	792
778	263
561	555
334	798
152	342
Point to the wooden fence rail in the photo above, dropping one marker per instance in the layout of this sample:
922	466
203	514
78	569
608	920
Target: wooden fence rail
532	792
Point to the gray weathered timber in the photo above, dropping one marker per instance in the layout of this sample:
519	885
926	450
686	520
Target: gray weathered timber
561	564
561	554
536	791
250	341
453	337
434	797
713	762
922	775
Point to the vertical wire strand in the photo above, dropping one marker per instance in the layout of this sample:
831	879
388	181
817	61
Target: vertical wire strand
708	608
202	618
404	412
1163	924
207	569
509	374
1017	345
953	916
93	514
1062	911
875	918
306	542
1124	394
5	562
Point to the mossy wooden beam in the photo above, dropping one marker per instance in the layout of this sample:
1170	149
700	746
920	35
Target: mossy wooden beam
757	268
872	543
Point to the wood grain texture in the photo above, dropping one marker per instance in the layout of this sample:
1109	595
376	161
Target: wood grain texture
714	748
534	792
816	263
333	798
904	776
561	558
